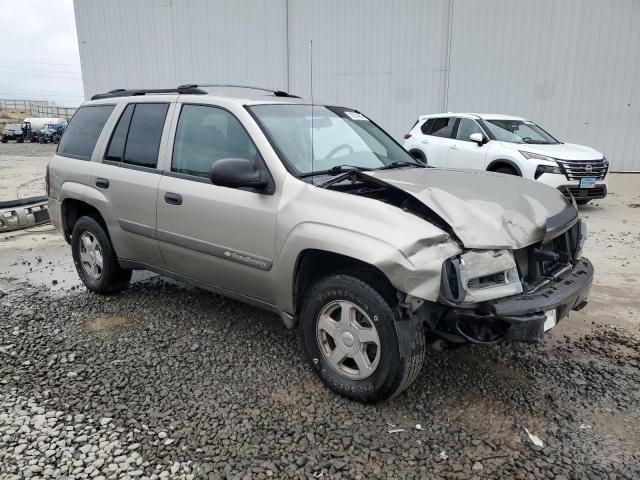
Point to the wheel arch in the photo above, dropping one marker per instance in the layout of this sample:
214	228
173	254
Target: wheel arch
314	264
504	162
418	154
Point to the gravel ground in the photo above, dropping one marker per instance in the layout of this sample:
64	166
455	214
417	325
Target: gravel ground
161	381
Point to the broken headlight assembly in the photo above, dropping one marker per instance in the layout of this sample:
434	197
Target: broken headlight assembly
478	276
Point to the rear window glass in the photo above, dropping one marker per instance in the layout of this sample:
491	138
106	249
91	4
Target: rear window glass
145	132
115	151
82	133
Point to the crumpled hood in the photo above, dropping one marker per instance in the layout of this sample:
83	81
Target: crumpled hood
562	151
485	210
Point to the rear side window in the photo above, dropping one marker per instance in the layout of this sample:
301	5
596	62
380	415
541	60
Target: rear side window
427	126
115	151
136	138
205	135
82	133
442	127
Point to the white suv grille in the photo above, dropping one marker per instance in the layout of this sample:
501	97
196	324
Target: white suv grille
577	169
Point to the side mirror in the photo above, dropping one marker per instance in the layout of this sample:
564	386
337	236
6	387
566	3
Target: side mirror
478	138
236	173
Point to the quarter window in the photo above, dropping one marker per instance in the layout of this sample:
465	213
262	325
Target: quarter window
82	133
205	135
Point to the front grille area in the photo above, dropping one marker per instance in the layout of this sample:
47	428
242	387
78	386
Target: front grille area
540	262
577	169
599	191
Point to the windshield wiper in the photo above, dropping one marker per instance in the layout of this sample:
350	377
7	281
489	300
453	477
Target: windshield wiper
335	170
401	163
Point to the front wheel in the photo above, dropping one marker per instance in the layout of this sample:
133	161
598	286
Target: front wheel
349	335
94	258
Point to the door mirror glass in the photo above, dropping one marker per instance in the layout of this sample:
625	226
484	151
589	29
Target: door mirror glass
236	173
477	137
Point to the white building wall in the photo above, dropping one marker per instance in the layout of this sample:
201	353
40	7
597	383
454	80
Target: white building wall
573	65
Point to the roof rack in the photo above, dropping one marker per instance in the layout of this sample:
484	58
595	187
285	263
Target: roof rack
277	93
122	92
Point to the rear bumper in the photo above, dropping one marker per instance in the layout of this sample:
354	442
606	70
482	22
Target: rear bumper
520	317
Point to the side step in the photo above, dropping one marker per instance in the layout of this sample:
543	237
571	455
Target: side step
23	213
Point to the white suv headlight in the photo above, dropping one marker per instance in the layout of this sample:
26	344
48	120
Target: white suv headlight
536	156
478	276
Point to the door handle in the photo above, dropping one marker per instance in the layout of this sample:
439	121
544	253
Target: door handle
453	147
425	141
102	183
173	198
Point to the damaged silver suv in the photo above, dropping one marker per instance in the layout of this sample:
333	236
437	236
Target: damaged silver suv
317	214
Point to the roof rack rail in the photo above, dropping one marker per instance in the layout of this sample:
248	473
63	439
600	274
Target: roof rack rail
277	93
122	92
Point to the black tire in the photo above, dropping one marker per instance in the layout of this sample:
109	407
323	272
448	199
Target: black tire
4	140
41	140
506	170
582	202
392	374
112	278
19	140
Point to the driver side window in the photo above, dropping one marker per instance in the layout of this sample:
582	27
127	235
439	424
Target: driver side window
206	134
466	128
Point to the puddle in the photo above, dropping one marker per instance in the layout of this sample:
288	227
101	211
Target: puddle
101	324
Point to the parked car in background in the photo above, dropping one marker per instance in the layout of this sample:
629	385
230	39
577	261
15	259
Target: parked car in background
511	145
317	214
11	131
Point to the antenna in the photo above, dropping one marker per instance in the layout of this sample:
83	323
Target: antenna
311	81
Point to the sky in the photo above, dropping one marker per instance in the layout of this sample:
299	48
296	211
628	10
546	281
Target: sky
42	62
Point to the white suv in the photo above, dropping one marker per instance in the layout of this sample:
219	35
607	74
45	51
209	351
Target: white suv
511	145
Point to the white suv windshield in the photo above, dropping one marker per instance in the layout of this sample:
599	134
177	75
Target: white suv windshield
341	137
519	131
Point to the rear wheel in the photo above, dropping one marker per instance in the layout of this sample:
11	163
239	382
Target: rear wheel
349	334
94	258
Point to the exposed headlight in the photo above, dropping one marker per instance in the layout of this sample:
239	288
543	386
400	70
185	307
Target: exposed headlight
478	276
583	234
541	169
536	156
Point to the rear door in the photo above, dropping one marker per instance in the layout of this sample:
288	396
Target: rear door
437	140
463	152
129	176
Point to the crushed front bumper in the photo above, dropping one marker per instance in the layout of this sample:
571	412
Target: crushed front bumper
519	317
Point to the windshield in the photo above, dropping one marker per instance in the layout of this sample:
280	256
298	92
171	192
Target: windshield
341	138
519	131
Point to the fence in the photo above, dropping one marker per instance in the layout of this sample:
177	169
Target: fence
37	108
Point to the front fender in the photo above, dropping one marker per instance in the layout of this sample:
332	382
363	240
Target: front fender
414	270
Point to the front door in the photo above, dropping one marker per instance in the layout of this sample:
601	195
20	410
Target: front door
463	152
224	237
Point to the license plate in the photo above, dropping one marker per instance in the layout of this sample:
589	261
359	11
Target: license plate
587	183
551	320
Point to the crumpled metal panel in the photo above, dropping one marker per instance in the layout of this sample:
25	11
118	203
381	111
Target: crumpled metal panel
23	214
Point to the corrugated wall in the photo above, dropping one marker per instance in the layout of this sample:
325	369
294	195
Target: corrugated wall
164	43
571	65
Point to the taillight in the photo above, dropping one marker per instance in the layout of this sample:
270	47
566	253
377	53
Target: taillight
46	180
407	136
